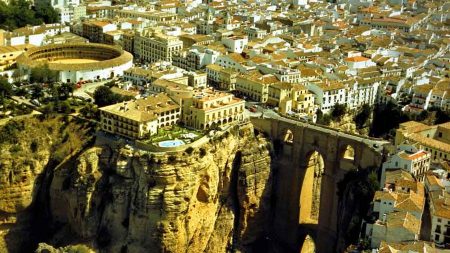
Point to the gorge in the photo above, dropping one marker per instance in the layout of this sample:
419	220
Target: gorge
235	193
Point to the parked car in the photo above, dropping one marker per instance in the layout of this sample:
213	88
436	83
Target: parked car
35	102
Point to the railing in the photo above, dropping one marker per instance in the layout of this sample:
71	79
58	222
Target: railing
333	129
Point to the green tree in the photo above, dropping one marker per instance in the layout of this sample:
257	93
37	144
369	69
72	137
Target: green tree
46	13
65	90
89	111
64	107
48	109
37	91
323	119
21	92
18	13
362	116
423	115
338	111
386	118
6	88
43	74
440	116
103	96
53	91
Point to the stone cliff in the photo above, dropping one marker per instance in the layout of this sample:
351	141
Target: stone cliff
28	148
211	198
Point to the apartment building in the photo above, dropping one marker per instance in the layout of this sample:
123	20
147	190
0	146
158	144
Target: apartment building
416	162
208	108
398	210
361	91
292	98
255	86
221	78
34	35
328	93
8	55
179	92
284	74
234	61
94	30
153	47
195	58
235	44
433	139
138	118
196	39
437	185
156	16
101	11
197	79
406	24
72	13
421	96
255	33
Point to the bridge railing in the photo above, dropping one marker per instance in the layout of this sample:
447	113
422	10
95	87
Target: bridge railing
333	129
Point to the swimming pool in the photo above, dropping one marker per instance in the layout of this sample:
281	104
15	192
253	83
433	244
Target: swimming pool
171	143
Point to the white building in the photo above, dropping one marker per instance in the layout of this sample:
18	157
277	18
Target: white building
284	74
72	13
398	209
255	33
328	93
416	162
438	185
235	44
152	47
233	61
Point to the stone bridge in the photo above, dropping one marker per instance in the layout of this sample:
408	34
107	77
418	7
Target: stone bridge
313	159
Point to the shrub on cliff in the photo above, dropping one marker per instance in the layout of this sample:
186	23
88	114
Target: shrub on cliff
189	150
338	111
202	152
362	116
172	158
11	131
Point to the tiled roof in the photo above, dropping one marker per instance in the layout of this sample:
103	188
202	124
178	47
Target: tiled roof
403	220
142	110
414	246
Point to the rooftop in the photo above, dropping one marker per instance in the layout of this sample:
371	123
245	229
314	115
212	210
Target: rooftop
142	110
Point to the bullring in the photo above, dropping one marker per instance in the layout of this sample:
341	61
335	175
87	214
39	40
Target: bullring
78	61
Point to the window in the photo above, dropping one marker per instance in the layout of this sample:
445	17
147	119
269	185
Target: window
440	134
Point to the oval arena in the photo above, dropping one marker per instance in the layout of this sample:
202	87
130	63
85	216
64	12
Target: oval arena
78	61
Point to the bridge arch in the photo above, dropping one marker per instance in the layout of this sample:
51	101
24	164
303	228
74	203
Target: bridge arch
348	152
288	136
308	245
310	191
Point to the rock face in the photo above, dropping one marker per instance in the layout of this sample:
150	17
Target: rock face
28	148
210	198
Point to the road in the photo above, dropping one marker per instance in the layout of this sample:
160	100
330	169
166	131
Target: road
376	144
22	101
88	88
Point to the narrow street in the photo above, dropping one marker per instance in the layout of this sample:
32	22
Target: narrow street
425	229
